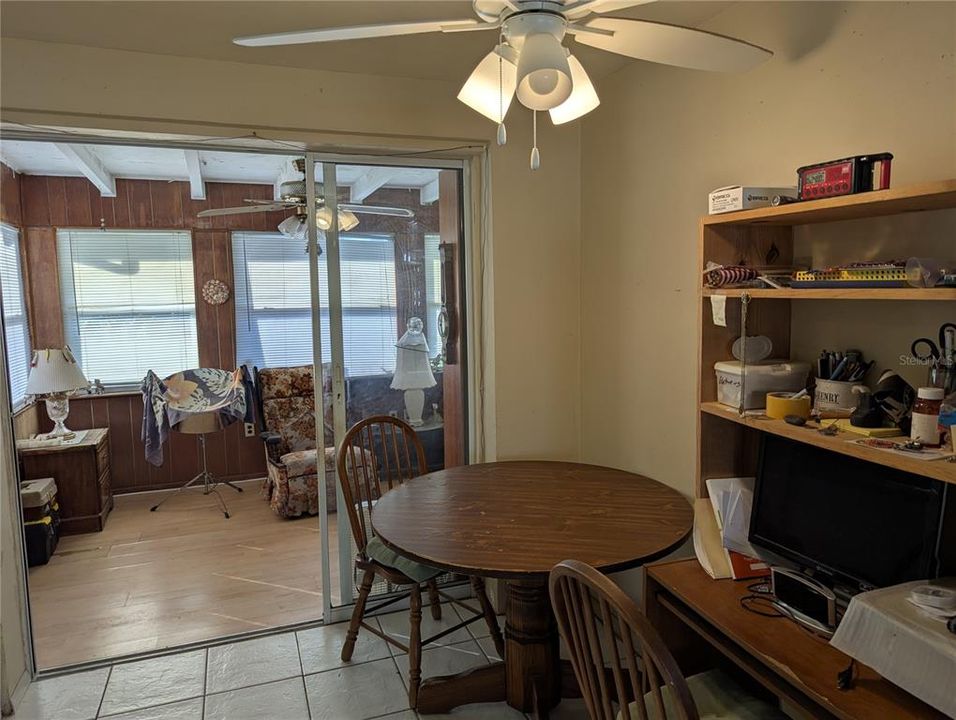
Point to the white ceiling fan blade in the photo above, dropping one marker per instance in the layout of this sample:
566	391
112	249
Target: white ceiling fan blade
673	45
576	10
377	210
270	207
354	32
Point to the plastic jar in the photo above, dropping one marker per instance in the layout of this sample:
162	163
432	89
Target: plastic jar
925	425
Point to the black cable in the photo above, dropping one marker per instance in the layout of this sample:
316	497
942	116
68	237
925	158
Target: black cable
760	604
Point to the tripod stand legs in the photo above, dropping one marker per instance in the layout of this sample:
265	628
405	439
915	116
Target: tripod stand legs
209	483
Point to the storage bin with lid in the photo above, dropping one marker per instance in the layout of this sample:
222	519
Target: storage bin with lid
38	498
762	378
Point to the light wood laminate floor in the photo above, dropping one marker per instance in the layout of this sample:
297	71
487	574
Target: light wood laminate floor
153	580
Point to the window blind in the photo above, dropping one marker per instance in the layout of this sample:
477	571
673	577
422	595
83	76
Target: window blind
273	306
129	302
432	291
15	325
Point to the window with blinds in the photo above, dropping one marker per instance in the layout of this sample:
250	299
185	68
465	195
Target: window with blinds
432	291
15	326
273	312
129	303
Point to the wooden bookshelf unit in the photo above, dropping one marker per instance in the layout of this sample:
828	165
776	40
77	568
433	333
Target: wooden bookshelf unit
727	441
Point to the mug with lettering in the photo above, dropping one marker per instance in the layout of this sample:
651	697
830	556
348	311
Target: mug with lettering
835	395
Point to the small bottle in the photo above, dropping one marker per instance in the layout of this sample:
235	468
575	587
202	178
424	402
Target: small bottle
925	426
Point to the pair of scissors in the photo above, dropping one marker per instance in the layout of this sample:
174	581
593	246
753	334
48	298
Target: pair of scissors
944	350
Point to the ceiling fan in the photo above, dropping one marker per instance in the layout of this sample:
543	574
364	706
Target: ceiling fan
292	197
531	63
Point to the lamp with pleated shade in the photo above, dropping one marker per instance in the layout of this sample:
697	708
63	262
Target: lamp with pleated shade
54	374
413	371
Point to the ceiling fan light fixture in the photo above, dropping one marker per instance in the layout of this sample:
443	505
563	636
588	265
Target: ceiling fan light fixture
491	87
347	219
583	98
293	227
544	75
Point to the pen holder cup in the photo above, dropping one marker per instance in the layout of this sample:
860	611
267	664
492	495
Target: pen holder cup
835	395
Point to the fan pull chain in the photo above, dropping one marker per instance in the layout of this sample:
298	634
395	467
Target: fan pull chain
502	130
535	155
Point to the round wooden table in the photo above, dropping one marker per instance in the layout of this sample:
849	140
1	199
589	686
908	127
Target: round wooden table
516	520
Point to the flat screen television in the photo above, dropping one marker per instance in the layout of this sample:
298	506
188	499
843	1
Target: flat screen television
865	525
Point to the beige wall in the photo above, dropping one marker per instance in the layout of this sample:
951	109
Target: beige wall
846	79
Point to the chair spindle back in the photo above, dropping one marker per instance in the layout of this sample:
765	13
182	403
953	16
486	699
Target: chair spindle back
622	666
377	454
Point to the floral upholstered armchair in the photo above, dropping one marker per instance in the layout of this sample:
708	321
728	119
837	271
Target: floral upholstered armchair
288	418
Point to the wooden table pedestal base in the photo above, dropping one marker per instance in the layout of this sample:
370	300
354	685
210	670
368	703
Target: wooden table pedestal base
530	677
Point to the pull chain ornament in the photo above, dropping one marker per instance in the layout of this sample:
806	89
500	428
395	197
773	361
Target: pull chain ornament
535	155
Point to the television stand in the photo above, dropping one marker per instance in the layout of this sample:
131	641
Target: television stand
701	620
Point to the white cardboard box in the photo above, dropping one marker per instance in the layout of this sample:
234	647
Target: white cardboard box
738	197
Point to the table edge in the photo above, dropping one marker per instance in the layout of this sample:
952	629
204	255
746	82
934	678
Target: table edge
524	575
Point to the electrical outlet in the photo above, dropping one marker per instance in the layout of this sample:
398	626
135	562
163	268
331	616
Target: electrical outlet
250	430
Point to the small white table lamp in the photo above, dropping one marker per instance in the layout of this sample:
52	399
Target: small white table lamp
413	371
53	375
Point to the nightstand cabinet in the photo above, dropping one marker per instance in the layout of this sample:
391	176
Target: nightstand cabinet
82	475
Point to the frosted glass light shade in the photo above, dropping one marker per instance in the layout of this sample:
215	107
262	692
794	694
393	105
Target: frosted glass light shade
54	371
323	218
293	227
491	87
544	76
583	98
347	220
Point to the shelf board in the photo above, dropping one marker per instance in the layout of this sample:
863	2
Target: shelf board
937	195
838	293
936	469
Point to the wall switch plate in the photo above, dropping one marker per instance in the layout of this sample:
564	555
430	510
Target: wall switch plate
250	430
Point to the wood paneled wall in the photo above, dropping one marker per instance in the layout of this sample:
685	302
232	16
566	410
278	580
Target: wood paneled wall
46	203
9	196
51	202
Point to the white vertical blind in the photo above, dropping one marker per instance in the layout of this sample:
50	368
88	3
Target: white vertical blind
129	302
15	326
432	291
273	329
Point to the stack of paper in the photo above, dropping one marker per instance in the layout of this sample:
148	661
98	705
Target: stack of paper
721	529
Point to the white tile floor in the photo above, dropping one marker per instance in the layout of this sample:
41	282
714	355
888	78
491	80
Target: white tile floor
290	676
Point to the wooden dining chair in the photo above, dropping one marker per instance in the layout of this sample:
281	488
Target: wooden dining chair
377	455
623	667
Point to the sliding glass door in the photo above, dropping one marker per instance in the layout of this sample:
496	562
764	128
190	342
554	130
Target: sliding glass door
388	269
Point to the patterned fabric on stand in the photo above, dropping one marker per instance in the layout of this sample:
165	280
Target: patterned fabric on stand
167	402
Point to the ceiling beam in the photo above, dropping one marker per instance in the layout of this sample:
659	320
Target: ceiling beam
197	186
92	168
6	161
372	180
428	193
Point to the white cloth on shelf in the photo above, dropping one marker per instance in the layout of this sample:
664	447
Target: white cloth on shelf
884	630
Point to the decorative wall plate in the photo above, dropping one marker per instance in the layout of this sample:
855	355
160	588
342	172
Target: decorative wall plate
215	292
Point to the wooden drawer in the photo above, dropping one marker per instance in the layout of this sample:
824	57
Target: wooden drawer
106	489
103	456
